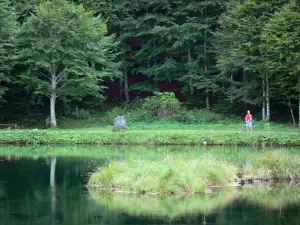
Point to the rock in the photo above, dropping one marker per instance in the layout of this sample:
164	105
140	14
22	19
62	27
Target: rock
47	123
119	123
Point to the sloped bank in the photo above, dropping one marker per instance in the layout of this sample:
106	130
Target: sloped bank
149	137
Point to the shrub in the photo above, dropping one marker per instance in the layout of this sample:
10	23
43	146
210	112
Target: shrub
163	104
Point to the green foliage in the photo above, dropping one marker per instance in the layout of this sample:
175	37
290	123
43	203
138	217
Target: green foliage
280	47
273	165
81	114
201	117
171	176
65	48
8	29
162	104
152	137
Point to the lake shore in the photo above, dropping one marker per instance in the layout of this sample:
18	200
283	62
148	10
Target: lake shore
150	137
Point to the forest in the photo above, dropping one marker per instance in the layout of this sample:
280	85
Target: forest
61	58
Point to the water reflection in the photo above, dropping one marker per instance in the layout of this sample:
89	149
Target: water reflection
169	207
51	190
273	196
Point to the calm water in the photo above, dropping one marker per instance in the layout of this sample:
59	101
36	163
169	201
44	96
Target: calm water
51	190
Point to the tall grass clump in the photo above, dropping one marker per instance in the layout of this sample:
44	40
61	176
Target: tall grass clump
170	176
273	165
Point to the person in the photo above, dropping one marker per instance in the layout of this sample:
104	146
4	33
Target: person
248	120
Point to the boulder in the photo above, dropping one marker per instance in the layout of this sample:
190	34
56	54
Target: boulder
119	123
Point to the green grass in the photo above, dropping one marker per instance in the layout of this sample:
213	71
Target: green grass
149	137
165	207
95	123
273	165
171	176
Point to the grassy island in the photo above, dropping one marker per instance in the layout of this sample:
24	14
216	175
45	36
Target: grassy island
197	176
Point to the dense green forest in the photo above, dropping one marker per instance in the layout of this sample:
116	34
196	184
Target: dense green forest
60	56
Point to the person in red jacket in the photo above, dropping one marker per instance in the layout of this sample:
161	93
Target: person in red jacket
248	120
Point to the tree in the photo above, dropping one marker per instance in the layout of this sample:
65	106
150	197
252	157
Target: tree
281	50
65	50
239	37
8	28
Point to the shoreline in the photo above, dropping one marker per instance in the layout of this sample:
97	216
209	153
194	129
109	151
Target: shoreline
150	137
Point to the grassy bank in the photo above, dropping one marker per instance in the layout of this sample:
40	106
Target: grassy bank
171	176
149	137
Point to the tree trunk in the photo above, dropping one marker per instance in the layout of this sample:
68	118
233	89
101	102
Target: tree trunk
53	98
244	74
205	68
121	88
231	87
191	81
299	108
52	110
264	100
126	86
292	113
299	101
207	103
267	99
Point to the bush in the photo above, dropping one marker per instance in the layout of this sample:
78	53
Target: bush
163	104
200	116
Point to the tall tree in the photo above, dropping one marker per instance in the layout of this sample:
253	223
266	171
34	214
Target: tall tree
281	50
8	28
65	50
242	25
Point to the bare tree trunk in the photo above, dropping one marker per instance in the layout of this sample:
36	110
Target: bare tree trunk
191	81
267	99
53	99
126	86
292	113
299	101
264	100
231	87
299	109
205	67
207	103
52	110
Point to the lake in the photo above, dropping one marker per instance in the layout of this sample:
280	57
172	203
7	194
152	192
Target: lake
46	185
